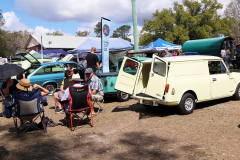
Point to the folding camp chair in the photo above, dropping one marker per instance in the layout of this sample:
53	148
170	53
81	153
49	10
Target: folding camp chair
98	104
28	110
79	101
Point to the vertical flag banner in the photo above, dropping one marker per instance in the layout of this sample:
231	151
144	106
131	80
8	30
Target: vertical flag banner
105	44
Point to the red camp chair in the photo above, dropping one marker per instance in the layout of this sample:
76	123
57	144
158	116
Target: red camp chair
79	101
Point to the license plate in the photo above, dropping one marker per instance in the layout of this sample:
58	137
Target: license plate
148	102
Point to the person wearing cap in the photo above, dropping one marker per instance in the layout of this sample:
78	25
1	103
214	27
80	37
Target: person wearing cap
167	54
65	84
92	60
24	88
95	86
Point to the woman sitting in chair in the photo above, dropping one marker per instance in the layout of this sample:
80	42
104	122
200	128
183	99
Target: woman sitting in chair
25	89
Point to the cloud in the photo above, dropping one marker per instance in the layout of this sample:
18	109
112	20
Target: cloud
12	22
89	11
139	28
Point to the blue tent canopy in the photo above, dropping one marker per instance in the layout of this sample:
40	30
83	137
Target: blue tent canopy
87	45
117	44
161	44
53	53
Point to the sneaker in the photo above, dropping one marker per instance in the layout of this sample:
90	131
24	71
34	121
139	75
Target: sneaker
58	110
62	111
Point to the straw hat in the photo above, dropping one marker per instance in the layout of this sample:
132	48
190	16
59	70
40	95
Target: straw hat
24	85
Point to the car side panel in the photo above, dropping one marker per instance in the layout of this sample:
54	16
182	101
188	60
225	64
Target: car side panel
188	76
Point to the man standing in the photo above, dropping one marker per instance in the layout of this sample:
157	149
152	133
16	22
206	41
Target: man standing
65	84
95	86
167	54
223	54
92	60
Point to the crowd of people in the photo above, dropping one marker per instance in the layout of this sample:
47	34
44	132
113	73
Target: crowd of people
168	54
226	56
24	88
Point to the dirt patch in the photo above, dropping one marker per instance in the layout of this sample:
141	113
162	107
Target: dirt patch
131	131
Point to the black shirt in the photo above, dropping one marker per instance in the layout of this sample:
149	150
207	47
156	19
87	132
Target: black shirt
92	59
12	87
67	83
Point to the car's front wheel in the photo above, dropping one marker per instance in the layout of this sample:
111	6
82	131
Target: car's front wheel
187	104
236	95
122	96
50	87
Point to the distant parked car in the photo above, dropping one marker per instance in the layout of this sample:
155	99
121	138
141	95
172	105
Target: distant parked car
48	75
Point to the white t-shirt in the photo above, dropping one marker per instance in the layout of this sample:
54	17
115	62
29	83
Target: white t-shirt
223	53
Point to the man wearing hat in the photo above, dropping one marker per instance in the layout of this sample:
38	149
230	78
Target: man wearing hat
76	83
95	86
65	84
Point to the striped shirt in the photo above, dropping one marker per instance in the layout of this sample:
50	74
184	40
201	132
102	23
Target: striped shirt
95	84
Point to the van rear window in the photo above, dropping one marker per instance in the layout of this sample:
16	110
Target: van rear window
130	67
159	67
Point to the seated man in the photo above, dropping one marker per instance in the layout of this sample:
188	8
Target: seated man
95	86
65	84
77	83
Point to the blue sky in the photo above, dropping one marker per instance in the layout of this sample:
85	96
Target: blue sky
44	16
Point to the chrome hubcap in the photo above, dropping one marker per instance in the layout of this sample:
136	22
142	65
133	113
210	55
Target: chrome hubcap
239	92
124	95
188	104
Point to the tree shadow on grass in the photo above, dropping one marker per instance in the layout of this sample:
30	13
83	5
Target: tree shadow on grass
148	111
3	152
139	145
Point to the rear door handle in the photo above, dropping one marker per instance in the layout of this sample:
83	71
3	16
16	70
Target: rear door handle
214	79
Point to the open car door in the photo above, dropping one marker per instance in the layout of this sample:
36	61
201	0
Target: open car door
128	75
157	78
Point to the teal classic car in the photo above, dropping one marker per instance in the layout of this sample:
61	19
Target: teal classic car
109	79
48	75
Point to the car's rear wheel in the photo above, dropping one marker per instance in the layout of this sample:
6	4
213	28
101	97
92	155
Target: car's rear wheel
122	96
187	104
50	87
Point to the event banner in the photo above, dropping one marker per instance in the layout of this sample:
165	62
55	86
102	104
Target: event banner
105	44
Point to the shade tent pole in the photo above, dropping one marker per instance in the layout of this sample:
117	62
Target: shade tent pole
41	48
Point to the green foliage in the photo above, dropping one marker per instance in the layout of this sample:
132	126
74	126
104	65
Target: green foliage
83	33
98	29
12	42
187	21
56	33
122	32
232	12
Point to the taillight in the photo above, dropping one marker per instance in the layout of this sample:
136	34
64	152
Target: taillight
167	88
105	82
85	79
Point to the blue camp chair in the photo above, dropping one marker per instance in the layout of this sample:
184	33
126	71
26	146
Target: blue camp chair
28	110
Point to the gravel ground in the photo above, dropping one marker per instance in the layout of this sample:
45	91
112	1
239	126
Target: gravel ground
131	131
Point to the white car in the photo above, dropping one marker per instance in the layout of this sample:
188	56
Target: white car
181	80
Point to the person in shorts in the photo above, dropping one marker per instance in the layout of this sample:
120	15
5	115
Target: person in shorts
65	84
95	86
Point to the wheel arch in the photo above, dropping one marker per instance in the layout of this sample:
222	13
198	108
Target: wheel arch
50	82
191	92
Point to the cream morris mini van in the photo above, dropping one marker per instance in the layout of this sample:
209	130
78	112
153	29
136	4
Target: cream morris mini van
180	80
